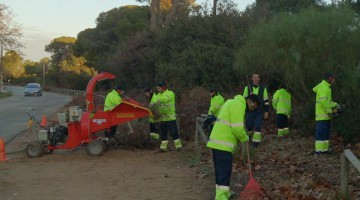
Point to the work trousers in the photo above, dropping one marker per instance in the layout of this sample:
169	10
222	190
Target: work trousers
282	121
154	127
322	136
168	126
223	166
254	119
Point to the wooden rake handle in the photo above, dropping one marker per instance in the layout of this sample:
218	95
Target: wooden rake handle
248	155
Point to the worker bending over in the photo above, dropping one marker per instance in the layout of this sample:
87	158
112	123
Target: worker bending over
254	118
228	130
282	104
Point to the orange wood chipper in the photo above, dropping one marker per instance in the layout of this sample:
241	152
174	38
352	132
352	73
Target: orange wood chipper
77	127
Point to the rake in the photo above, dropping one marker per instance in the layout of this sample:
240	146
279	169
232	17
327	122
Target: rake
253	189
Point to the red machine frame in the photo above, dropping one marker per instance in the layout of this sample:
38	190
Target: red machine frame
93	121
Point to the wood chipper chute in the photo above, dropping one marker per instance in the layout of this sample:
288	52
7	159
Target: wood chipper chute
77	127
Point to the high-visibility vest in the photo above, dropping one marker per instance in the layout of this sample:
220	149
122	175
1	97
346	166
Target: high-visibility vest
262	93
229	127
112	100
282	102
324	103
166	105
216	104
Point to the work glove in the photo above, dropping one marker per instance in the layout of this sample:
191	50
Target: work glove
154	136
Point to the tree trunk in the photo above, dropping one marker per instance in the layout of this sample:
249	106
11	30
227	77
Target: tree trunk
214	8
154	14
174	9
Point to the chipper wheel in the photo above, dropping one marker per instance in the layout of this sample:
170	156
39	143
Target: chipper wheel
34	149
95	148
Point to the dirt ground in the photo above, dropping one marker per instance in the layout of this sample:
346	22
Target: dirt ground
121	173
285	168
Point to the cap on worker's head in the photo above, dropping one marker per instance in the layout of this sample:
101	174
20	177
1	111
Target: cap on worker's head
161	84
328	75
118	87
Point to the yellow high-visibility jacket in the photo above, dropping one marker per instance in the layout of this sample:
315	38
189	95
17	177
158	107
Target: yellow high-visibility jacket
324	103
112	100
229	127
165	102
216	104
282	102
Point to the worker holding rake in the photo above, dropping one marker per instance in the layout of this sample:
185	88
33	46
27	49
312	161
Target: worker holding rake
228	130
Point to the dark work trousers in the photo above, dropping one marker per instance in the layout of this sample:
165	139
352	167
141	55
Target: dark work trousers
153	127
282	121
254	119
322	130
322	135
171	126
223	166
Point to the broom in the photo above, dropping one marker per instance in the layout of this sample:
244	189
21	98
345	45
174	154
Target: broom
252	189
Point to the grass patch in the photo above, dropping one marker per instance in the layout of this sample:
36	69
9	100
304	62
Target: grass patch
5	94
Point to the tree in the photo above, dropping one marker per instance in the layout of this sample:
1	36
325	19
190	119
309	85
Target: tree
114	28
13	65
62	52
10	32
297	49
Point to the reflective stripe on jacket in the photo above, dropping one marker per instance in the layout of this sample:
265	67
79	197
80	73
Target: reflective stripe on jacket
324	103
166	105
216	104
112	100
282	102
229	127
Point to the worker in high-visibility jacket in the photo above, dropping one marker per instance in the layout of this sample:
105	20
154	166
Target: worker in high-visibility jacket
228	130
165	103
323	109
254	118
154	131
282	104
216	103
112	100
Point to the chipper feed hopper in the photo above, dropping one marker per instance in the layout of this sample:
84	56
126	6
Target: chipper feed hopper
77	127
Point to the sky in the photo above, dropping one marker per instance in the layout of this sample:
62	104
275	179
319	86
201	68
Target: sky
44	20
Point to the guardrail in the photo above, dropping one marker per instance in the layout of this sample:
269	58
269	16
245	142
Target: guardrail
200	131
68	91
347	157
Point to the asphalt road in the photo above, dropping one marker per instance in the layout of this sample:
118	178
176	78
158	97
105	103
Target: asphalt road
13	117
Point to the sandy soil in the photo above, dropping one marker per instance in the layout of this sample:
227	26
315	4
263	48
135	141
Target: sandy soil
118	174
285	167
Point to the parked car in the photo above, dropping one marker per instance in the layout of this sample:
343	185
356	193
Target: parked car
33	89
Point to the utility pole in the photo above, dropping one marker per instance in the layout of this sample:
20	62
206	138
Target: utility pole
43	85
1	68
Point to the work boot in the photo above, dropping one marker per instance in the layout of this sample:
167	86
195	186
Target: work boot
163	145
286	131
178	145
154	136
222	193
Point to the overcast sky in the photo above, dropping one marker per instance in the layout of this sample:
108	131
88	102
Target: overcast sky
44	20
